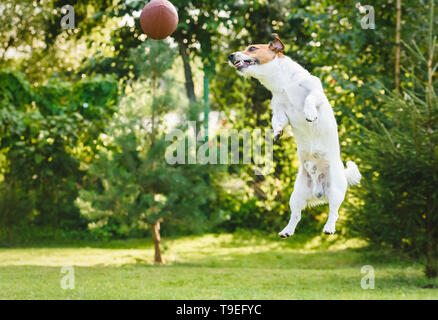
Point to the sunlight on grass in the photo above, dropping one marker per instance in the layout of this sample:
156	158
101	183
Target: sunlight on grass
187	249
73	256
225	266
333	242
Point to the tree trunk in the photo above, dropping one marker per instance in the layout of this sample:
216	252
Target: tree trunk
431	226
157	239
431	247
397	46
190	87
154	92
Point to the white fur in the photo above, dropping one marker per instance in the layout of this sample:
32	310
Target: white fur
298	98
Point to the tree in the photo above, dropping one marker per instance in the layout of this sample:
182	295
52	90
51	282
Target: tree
134	184
398	45
46	133
399	157
20	26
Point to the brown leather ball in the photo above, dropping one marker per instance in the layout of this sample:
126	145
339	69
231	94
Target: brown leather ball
159	19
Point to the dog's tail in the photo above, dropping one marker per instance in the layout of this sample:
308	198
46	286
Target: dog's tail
352	173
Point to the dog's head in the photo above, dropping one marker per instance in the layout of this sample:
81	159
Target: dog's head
256	55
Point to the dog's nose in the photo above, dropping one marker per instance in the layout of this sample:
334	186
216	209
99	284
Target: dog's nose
231	57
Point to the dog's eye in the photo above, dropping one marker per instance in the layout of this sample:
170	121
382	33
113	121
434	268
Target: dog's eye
252	48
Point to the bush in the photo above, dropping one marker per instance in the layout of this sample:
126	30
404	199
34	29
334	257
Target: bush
399	154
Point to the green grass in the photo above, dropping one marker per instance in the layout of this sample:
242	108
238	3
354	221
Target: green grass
241	266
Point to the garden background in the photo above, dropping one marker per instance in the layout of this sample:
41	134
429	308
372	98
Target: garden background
84	112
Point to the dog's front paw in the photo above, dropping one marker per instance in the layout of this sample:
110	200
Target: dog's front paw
286	232
311	115
329	228
278	135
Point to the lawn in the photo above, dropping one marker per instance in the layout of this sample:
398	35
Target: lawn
240	266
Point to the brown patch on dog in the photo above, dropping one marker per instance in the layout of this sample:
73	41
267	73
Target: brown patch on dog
265	53
276	45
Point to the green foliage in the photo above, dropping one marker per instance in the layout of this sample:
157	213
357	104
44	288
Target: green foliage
152	59
134	186
16	207
40	131
19	27
399	156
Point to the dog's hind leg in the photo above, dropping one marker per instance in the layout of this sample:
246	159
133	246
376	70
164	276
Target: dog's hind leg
336	195
297	203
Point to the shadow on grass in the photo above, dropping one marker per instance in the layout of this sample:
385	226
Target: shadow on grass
317	260
241	238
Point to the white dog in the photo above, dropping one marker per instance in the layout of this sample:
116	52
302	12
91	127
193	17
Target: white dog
298	98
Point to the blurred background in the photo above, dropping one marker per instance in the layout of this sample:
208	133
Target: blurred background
84	113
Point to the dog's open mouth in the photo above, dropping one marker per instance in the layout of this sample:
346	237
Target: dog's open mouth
242	64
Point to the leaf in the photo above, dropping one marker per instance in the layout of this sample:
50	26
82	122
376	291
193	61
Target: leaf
38	158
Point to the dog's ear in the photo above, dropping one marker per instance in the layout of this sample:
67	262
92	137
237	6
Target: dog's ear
276	45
